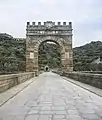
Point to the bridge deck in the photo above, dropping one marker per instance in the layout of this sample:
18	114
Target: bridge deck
51	97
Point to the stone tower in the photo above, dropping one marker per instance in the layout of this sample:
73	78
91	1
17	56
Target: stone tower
49	31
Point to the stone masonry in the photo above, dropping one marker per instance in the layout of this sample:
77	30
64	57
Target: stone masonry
49	31
8	81
50	97
88	78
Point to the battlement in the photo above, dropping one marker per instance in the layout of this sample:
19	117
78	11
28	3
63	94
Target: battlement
49	23
49	28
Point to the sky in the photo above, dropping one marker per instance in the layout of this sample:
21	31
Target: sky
85	15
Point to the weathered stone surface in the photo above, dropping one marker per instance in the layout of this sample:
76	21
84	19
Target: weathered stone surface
88	78
60	34
51	97
8	81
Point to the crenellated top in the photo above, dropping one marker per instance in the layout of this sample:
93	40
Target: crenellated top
49	23
49	28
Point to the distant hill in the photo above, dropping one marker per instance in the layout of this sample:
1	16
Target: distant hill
12	55
85	55
49	54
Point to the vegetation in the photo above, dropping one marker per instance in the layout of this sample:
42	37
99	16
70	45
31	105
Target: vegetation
85	55
49	54
12	55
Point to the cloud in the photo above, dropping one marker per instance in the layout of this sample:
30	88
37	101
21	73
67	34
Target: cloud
84	14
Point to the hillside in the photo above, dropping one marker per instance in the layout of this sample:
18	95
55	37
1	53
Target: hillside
49	54
12	55
85	55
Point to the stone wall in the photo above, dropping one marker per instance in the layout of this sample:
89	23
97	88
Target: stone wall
8	81
88	78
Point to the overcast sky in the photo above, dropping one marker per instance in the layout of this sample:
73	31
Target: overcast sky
86	16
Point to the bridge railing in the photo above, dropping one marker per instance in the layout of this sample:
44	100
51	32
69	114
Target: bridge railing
8	81
94	79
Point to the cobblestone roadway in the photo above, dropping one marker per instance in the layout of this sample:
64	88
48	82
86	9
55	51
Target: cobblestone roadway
52	98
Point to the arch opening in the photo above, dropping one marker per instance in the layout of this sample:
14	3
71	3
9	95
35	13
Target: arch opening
49	55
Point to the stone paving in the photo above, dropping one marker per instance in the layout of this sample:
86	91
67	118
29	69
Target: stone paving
51	97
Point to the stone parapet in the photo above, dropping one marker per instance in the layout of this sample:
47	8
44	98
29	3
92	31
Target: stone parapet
8	81
88	78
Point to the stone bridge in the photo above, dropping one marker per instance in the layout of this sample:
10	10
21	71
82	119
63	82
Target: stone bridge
48	97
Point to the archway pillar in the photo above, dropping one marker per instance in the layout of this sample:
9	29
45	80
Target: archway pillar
36	67
67	59
32	62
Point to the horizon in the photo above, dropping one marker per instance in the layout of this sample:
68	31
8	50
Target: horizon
85	17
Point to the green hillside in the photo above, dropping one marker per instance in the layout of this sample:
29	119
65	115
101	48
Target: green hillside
12	55
85	55
49	54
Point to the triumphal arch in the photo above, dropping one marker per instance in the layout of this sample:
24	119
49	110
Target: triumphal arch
36	33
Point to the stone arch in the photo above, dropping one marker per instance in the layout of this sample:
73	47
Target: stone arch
60	34
59	41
